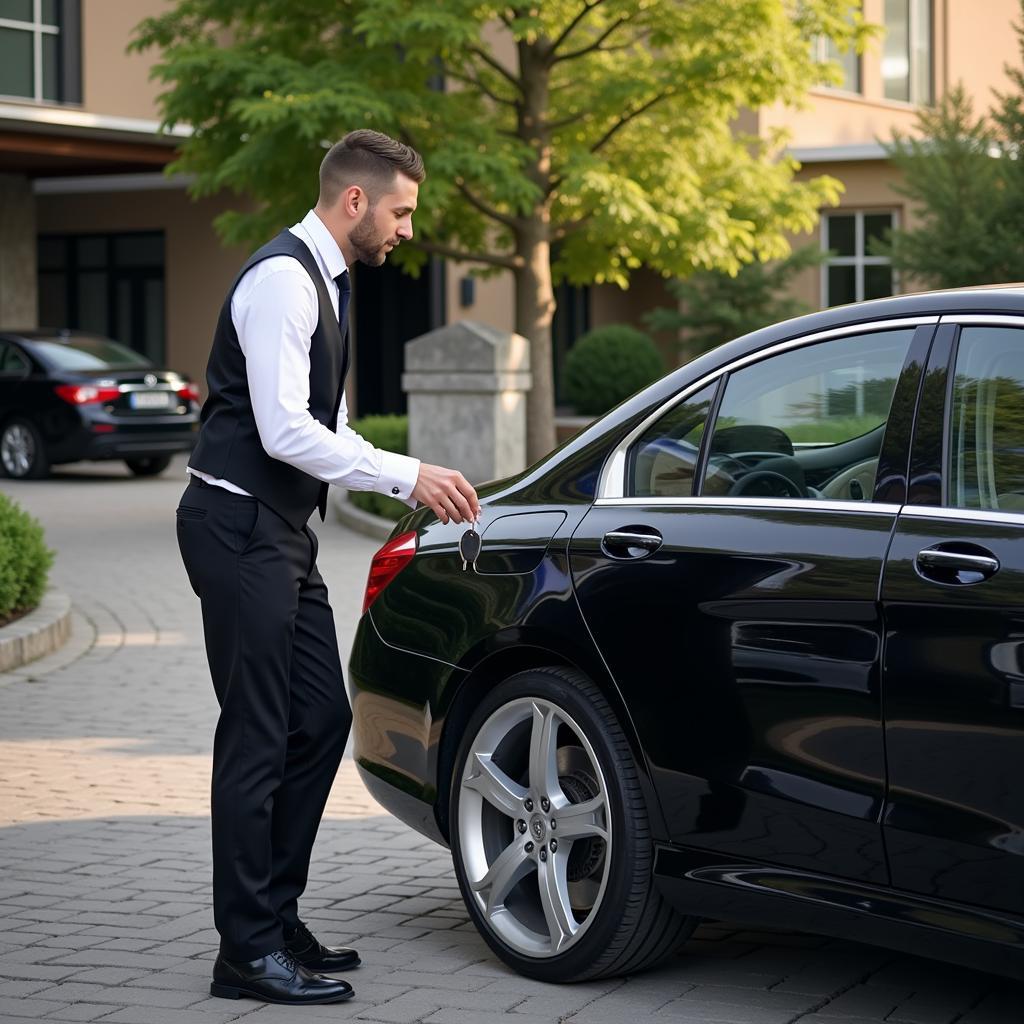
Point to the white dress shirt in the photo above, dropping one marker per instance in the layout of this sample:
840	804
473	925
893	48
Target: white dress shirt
275	311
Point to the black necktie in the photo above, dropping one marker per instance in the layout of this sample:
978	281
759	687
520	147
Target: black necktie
344	291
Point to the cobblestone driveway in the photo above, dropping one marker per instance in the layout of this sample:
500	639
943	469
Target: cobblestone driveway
104	841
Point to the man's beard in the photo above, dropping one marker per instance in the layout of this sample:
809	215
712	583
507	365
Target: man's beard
367	242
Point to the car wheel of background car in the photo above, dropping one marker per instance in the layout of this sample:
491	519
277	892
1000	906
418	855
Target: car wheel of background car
149	465
22	452
550	834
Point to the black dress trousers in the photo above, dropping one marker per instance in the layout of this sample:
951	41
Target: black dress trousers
284	715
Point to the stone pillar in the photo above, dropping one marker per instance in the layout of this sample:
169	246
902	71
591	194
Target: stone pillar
467	385
18	296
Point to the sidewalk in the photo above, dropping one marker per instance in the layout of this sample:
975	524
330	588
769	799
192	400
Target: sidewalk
104	839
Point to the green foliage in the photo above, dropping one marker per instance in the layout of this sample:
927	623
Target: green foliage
611	131
24	560
717	306
961	179
391	433
608	365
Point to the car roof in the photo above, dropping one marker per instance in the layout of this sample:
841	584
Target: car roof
46	334
997	298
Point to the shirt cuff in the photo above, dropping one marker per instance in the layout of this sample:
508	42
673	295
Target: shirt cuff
398	476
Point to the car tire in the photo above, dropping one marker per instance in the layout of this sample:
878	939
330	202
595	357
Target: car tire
559	910
22	451
148	465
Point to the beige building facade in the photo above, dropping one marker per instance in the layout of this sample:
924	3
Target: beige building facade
94	235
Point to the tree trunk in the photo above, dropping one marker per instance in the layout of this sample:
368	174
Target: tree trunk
535	296
535	307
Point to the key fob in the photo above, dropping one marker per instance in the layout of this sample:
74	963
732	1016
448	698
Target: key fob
469	547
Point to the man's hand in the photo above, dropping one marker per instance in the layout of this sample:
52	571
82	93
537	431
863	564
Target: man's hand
447	492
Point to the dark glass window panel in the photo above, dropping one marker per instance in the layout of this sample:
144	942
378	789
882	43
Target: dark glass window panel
91	252
122	330
16	10
877	282
842	285
53	299
93	306
139	250
153	318
875	227
51	253
664	461
842	234
16	74
987	430
51	12
51	67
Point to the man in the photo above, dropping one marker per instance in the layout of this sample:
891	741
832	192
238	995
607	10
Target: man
273	435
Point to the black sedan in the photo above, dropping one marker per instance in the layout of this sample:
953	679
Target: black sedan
749	647
67	395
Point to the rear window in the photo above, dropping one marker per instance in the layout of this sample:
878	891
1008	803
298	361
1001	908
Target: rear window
88	354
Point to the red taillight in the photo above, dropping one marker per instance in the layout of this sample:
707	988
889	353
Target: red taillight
190	392
387	564
87	394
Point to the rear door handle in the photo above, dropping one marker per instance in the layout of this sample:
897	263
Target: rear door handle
944	566
632	542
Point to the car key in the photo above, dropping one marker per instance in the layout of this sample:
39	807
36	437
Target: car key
469	548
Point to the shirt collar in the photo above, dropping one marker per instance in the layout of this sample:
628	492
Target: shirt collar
328	249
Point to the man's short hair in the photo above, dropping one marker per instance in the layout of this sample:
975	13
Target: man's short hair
370	160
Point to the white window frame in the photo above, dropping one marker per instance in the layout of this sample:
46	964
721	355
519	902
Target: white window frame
38	30
860	259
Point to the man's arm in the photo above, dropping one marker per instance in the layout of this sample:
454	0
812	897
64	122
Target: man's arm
275	313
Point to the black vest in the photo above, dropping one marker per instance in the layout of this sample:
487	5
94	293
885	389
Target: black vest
229	444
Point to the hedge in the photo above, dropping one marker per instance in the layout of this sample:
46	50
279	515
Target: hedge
392	434
608	365
25	560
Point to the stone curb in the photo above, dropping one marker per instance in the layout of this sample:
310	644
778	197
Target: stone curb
356	519
37	634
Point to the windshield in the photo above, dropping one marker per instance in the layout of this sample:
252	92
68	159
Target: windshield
85	353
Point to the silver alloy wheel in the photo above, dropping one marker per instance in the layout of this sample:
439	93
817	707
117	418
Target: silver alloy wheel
17	450
534	827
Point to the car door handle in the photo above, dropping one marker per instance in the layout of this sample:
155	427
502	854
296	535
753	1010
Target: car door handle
632	542
944	566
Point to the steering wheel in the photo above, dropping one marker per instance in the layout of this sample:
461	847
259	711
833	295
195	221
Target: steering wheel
765	483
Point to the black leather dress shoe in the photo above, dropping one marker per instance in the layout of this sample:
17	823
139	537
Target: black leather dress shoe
303	945
275	978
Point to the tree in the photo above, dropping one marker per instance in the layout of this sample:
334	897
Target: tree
717	306
600	125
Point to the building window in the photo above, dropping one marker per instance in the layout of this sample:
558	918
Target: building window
824	49
852	273
111	285
907	53
40	51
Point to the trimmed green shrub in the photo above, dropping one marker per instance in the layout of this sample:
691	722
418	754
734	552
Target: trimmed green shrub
608	365
24	560
392	434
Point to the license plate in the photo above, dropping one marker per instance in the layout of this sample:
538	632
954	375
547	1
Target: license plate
149	399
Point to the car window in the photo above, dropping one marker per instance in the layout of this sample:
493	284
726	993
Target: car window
85	353
662	463
12	362
807	423
986	421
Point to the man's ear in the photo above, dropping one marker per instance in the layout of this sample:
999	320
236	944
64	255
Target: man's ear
354	201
